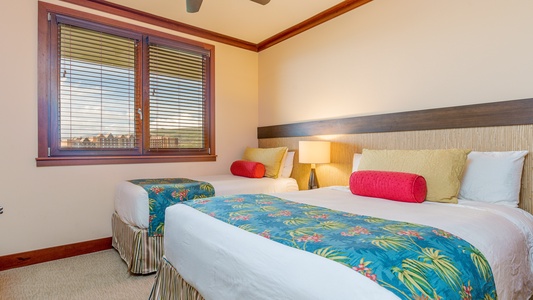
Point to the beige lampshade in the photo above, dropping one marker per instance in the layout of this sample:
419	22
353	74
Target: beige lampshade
314	152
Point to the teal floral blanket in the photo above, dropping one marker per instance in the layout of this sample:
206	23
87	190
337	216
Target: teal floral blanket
413	261
163	192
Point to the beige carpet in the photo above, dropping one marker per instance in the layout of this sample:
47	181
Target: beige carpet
100	275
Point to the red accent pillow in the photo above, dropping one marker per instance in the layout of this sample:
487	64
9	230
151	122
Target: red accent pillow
245	168
398	186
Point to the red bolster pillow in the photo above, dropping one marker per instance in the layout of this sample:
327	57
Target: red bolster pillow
245	168
398	186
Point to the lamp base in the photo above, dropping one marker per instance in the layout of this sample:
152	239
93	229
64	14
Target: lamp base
313	182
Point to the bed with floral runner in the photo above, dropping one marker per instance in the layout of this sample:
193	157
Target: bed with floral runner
138	220
332	244
164	192
161	193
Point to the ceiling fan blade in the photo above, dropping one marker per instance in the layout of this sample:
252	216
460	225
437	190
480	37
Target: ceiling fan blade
194	5
263	2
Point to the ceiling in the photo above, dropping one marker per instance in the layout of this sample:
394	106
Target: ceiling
241	19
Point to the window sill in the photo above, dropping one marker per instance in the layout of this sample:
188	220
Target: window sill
111	160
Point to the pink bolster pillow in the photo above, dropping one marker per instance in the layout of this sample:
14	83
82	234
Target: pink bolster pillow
245	168
398	186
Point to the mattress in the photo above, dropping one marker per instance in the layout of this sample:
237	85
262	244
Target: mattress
225	262
131	201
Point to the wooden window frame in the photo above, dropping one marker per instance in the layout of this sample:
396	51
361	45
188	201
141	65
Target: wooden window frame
46	89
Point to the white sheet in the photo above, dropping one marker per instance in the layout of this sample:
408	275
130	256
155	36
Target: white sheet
131	200
224	262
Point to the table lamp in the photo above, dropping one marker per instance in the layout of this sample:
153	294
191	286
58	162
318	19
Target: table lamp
314	152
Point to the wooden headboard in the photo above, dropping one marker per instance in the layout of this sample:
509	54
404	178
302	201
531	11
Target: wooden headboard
499	126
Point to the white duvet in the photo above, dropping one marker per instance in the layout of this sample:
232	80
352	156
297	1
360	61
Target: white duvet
131	200
225	262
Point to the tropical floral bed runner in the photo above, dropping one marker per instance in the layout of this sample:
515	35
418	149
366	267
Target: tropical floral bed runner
163	192
413	261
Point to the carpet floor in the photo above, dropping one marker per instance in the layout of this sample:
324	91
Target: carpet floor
99	275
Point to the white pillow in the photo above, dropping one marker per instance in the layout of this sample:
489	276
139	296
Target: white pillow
356	161
287	164
493	177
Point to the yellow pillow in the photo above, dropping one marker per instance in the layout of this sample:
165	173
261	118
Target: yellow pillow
270	157
442	169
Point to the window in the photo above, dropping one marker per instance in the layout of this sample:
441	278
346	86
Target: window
118	94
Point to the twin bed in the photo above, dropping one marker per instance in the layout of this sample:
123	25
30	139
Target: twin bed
224	262
142	250
214	251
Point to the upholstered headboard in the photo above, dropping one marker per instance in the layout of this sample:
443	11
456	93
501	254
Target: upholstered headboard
500	126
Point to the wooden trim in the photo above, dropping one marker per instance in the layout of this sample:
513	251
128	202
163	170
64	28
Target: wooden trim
505	113
43	255
113	160
127	12
141	16
333	12
44	96
45	8
43	92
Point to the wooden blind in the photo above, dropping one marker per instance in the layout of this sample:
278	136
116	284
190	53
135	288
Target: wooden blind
177	92
96	90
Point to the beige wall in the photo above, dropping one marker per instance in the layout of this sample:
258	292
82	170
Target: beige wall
386	56
51	206
391	56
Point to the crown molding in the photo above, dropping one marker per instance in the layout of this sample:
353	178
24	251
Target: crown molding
141	16
130	13
331	13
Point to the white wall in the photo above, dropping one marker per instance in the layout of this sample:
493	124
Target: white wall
52	206
391	56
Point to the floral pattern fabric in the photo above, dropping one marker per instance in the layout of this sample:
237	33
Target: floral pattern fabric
164	192
413	261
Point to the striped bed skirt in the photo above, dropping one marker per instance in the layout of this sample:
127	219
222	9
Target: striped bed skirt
142	253
170	285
